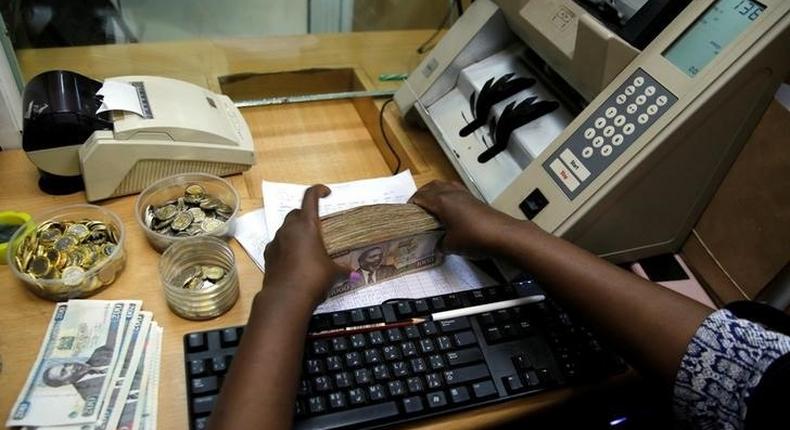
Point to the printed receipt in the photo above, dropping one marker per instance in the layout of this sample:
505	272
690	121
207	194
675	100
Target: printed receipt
254	230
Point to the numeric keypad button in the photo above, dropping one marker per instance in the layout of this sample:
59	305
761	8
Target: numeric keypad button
598	141
611	111
617	139
661	100
606	150
619	120
628	129
587	152
600	122
632	108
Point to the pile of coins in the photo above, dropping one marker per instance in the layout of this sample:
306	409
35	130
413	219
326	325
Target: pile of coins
201	277
66	250
194	214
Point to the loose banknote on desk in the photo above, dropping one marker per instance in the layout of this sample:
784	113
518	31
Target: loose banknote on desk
381	242
98	368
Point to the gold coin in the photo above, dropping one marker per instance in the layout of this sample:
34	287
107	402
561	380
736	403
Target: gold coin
194	283
213	273
210	225
49	236
166	212
181	221
195	190
72	276
54	256
39	266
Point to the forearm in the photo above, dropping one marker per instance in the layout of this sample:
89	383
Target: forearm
261	386
649	323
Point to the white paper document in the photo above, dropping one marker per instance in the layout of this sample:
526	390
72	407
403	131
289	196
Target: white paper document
281	198
455	274
252	234
117	95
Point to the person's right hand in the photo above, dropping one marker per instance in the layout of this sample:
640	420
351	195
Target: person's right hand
472	228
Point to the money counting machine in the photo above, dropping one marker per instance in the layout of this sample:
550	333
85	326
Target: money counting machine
174	127
609	123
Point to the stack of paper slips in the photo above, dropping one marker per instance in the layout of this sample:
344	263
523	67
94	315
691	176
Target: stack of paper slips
380	242
97	368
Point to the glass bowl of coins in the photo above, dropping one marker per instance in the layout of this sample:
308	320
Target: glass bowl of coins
70	252
199	277
181	207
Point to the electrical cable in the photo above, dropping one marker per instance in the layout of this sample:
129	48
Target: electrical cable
384	135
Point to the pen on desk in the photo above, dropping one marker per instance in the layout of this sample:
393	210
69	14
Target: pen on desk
438	316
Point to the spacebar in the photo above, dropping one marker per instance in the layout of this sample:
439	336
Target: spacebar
349	418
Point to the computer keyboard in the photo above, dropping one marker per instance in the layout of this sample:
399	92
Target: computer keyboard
395	374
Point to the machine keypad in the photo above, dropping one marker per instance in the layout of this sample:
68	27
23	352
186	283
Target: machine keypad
608	132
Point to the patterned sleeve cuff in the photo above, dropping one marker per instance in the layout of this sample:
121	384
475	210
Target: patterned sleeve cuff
723	364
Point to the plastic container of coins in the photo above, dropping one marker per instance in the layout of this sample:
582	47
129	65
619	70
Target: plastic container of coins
67	253
199	277
181	207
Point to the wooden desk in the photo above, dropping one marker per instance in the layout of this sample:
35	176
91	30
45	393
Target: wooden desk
308	143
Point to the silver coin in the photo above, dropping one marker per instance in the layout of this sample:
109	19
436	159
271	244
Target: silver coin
166	212
210	225
72	276
198	215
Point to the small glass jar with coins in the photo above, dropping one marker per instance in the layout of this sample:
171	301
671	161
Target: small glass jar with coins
70	252
181	207
199	277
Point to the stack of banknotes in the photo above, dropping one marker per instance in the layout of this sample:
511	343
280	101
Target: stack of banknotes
98	368
381	242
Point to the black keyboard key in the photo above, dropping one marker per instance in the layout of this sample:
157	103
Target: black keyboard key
394	335
545	376
412	332
353	359
396	388
219	365
502	315
392	353
465	338
376	393
358	316
477	297
339	319
436	400
453	301
196	342
484	389
200	424
466	374
443	343
373	356
363	376
421	307
357	397
453	324
229	337
376	338
531	379
413	405
493	294
437	304
375	314
521	361
316	405
464	356
513	383
304	388
205	385
314	367
408	349
427	346
404	309
415	385
418	365
322	384
486	319
381	372
433	380
334	363
299	408
337	400
203	405
400	369
197	367
358	341
459	395
429	328
350	417
340	344
436	362
320	347
493	334
510	331
343	380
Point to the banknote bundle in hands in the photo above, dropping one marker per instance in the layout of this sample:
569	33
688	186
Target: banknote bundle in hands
380	242
98	368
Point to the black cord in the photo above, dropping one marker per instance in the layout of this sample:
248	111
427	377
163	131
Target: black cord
427	45
384	135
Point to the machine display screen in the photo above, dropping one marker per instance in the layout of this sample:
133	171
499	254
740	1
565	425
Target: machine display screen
711	33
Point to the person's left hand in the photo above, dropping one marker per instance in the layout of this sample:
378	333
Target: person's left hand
296	260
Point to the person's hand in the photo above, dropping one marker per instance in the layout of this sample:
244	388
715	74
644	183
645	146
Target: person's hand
472	228
296	260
